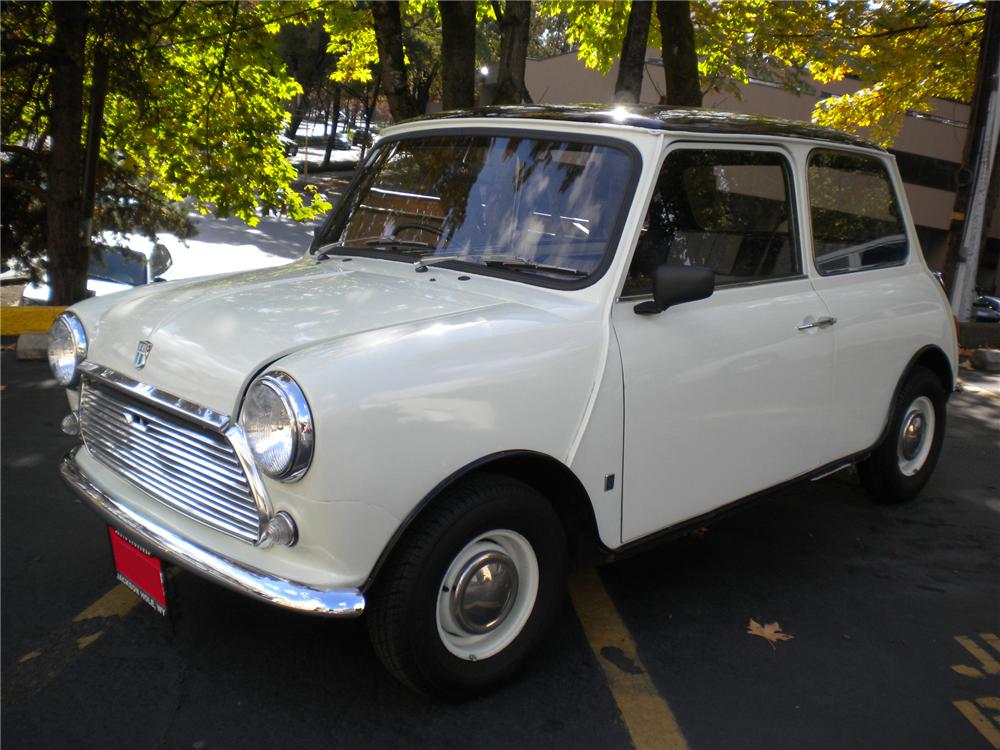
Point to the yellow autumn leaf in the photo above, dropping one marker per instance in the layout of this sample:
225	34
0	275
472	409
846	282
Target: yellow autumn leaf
770	633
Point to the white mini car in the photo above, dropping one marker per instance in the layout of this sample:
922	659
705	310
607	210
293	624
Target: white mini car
525	338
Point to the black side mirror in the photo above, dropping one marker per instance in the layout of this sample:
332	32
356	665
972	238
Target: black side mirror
673	285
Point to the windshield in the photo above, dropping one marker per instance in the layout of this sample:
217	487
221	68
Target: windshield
118	264
552	204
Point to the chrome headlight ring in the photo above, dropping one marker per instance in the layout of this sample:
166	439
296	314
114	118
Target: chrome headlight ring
67	349
284	457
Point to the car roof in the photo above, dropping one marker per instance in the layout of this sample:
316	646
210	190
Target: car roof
651	117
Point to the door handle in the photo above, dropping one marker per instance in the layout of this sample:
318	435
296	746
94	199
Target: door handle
818	323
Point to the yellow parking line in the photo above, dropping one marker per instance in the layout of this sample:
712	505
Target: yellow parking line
648	718
116	603
986	662
29	656
981	722
82	643
39	667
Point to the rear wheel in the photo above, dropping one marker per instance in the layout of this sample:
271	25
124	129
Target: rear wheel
899	468
471	589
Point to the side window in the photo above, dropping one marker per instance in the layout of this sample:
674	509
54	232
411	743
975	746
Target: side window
728	210
855	215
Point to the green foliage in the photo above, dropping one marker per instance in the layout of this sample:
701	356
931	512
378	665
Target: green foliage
201	119
193	112
352	41
595	29
904	52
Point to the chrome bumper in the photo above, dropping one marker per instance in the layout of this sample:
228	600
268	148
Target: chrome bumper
166	544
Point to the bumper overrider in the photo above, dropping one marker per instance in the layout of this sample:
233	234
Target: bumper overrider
168	545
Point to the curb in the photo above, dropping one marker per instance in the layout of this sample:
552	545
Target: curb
29	319
33	346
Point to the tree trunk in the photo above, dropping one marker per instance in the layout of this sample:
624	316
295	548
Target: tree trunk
633	60
333	132
680	57
95	133
458	54
422	90
514	26
68	257
989	48
389	39
298	115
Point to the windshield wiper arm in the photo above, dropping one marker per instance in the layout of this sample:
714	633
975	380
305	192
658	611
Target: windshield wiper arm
516	261
496	261
431	260
395	242
327	250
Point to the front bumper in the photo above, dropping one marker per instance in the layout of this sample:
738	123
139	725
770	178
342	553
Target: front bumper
168	545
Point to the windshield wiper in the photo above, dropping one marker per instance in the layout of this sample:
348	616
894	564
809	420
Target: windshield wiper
497	261
379	241
395	242
516	261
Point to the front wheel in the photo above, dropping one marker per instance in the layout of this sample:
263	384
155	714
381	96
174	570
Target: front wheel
471	589
901	465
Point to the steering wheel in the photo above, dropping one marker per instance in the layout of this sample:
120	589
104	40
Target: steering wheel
417	227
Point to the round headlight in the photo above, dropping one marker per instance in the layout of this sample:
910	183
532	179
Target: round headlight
67	348
278	426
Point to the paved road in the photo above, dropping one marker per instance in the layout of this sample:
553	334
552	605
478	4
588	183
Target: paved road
874	597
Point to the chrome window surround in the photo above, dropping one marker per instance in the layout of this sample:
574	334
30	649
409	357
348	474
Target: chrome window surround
297	408
213	420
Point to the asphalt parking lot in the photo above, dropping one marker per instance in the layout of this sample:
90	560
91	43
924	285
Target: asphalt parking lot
894	613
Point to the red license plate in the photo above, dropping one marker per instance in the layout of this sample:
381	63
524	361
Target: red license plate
140	571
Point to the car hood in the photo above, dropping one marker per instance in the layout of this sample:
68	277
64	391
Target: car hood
210	336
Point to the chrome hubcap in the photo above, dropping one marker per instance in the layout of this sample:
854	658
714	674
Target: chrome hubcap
915	436
485	592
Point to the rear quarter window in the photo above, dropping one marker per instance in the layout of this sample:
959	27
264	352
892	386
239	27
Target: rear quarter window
855	214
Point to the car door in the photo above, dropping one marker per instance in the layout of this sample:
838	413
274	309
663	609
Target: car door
728	395
885	302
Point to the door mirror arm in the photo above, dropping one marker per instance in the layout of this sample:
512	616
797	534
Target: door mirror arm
674	285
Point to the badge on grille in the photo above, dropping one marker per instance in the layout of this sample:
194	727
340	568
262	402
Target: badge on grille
142	354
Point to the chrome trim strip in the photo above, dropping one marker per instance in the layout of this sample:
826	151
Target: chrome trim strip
235	575
238	440
186	466
201	414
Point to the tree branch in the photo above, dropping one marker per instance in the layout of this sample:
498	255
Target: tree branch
251	26
12	148
28	187
889	32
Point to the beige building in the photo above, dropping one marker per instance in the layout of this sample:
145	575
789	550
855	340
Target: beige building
928	149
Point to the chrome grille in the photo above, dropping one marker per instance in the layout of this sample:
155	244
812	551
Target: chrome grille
183	465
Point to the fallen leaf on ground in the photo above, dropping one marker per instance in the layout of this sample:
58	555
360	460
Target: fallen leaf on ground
770	633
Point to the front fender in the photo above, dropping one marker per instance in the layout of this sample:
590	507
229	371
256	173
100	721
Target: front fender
399	409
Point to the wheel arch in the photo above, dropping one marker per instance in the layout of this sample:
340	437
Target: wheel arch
550	477
930	357
934	359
